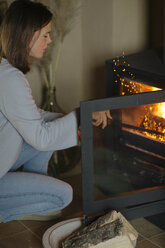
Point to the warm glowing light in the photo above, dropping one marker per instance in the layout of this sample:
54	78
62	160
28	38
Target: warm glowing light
160	110
133	87
154	119
152	123
163	110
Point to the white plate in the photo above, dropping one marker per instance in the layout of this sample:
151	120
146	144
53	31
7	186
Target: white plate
53	237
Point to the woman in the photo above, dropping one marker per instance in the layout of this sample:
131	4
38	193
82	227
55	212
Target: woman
29	135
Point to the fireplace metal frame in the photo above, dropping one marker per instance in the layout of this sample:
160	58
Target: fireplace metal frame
143	202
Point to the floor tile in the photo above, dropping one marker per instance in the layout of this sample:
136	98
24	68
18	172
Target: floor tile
145	228
140	238
159	239
10	228
146	244
41	230
38	227
35	224
21	240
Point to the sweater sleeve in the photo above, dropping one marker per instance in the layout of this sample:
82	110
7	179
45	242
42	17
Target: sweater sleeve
49	116
46	134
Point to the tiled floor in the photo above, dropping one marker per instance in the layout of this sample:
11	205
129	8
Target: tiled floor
28	234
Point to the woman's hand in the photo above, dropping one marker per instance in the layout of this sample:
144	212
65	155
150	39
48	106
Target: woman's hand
101	118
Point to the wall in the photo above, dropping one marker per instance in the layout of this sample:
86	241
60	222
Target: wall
109	28
104	30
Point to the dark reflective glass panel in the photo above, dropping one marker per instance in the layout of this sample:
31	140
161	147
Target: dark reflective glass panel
128	154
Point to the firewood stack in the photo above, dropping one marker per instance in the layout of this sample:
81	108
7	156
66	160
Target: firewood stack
110	230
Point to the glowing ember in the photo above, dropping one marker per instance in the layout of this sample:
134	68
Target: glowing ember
155	124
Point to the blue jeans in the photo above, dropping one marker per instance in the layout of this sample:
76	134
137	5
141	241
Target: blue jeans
31	191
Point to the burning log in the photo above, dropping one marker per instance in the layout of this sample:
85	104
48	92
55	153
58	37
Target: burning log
142	129
110	230
154	123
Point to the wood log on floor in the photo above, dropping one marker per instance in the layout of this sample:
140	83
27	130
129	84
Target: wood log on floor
104	232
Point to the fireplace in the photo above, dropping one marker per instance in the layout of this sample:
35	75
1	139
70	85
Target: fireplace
123	166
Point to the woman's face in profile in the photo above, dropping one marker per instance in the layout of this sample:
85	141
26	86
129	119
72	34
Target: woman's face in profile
40	40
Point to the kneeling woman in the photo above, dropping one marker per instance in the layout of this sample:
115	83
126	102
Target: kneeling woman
28	134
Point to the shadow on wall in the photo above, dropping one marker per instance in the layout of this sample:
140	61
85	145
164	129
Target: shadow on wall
156	23
99	82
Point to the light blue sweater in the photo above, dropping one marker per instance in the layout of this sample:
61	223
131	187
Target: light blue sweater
20	119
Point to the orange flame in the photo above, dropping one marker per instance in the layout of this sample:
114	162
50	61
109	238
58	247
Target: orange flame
161	109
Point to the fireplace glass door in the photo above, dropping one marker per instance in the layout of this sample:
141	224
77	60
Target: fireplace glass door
123	158
123	165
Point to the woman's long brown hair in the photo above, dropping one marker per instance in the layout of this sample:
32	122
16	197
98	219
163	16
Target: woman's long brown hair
20	22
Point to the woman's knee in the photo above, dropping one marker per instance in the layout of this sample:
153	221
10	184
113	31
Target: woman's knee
68	194
61	190
34	187
30	193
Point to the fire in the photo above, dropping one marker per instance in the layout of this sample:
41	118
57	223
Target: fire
161	109
154	119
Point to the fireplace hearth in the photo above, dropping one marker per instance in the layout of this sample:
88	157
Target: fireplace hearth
123	166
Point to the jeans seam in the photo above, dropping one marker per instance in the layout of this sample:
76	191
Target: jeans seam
27	194
8	217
